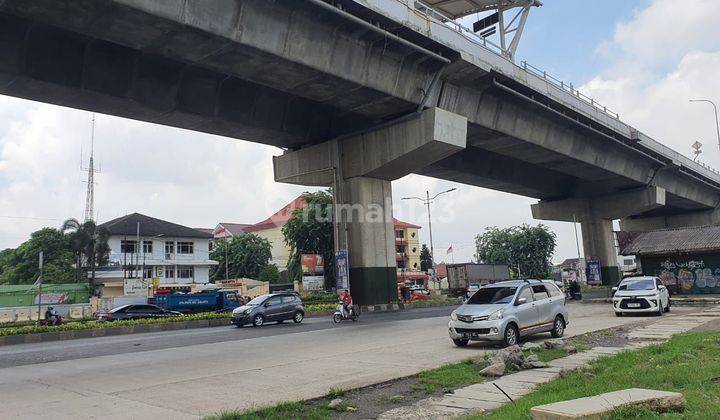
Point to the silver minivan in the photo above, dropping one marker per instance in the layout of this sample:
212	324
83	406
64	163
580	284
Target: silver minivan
508	310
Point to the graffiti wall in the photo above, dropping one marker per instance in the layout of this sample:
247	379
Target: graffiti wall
685	274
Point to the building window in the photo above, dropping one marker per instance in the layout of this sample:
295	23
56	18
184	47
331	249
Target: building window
147	273
412	235
128	247
147	247
414	265
211	245
400	234
401	264
628	262
169	272
170	247
399	248
185	273
185	247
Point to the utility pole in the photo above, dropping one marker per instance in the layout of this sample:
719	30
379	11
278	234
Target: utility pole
717	122
40	281
227	244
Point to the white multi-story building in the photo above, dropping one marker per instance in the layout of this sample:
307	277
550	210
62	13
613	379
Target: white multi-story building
144	248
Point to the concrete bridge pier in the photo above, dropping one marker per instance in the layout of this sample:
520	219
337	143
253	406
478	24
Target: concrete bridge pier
596	215
361	167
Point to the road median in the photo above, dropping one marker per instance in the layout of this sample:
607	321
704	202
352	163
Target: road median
91	329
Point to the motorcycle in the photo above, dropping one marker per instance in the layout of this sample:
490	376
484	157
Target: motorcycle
339	315
52	320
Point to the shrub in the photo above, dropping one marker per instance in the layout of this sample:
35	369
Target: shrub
76	326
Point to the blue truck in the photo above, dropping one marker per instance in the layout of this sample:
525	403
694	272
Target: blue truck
206	301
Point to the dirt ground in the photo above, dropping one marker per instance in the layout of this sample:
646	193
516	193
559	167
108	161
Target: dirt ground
374	400
713	325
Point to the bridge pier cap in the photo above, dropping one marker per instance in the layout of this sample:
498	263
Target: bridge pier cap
361	167
596	215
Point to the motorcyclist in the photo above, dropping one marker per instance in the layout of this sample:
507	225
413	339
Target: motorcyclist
51	316
346	299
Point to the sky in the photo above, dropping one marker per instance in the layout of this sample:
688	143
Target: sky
644	59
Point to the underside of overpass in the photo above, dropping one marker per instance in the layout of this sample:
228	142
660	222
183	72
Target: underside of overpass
301	74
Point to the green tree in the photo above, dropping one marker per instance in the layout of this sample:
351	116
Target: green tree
89	242
310	231
247	255
20	265
270	274
426	261
526	249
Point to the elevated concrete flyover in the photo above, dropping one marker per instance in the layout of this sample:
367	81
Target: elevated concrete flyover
307	75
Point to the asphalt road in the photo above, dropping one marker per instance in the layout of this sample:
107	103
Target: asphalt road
192	373
27	354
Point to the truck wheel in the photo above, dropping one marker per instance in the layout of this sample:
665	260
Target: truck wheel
258	320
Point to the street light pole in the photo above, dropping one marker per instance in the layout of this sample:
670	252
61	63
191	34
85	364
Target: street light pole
717	122
427	201
432	249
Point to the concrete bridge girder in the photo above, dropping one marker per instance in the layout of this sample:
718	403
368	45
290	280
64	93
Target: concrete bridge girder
508	116
692	219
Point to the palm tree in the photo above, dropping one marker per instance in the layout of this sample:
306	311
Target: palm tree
90	244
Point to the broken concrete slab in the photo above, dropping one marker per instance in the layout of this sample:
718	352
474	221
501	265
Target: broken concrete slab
597	406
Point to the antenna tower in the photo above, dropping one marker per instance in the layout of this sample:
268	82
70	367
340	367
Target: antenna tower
90	196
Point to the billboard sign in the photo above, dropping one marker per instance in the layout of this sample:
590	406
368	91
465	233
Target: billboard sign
341	270
312	264
592	272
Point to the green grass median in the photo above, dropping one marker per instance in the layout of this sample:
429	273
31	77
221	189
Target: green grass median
688	363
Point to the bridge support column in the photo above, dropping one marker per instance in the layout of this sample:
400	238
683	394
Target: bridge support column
361	168
599	244
596	215
366	214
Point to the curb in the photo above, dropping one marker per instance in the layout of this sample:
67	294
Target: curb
110	331
183	325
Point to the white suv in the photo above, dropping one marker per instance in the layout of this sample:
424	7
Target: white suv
641	294
507	310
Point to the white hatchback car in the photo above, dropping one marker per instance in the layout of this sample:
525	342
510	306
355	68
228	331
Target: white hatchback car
641	295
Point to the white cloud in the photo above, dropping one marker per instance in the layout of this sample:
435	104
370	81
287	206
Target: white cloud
654	98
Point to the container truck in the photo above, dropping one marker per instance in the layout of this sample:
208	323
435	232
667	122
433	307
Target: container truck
466	277
206	301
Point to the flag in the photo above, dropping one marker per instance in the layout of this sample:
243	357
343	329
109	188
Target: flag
449	251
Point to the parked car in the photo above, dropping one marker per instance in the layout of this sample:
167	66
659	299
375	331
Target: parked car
277	307
134	312
508	310
641	294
